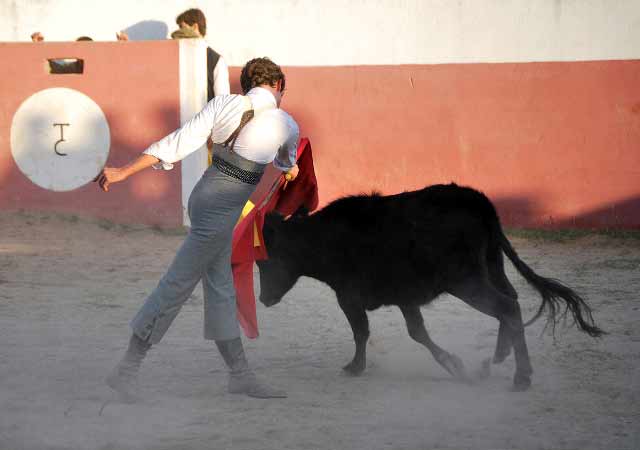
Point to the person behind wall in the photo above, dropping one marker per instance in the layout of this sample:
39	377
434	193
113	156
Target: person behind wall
38	37
192	23
249	132
61	66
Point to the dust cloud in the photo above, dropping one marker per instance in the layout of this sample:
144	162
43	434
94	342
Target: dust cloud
69	286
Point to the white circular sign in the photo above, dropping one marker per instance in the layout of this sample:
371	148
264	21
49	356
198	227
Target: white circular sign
60	139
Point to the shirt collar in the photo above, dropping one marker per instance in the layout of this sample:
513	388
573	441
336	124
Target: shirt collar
261	99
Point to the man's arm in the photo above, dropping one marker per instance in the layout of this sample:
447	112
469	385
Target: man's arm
187	139
174	147
285	159
111	175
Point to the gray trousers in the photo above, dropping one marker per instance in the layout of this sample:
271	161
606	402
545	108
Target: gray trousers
214	208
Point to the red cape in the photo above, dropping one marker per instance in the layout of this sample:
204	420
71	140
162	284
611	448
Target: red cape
272	194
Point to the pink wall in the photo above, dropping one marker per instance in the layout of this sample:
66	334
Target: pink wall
552	144
136	85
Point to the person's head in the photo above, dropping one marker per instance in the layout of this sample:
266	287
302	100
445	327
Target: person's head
37	37
264	73
194	19
84	38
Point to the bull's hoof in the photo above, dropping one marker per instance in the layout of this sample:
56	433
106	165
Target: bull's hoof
454	366
354	368
484	371
521	383
501	354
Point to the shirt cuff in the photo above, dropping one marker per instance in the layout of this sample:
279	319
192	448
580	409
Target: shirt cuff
160	164
280	166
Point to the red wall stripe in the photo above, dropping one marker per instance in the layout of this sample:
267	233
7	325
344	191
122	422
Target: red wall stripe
552	144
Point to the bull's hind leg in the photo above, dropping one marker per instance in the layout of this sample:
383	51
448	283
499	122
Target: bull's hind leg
481	295
417	331
495	266
503	345
357	317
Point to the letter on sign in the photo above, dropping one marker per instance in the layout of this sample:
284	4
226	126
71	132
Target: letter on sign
55	147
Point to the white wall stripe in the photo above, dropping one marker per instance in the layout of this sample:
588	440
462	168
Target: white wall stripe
356	32
193	97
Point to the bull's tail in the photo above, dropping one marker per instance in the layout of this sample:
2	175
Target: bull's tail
553	294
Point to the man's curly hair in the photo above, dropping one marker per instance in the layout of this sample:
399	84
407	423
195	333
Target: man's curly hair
260	71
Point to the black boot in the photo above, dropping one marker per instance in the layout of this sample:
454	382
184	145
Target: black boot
123	378
242	380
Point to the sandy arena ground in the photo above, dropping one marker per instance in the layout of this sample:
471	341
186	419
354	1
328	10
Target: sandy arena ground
69	286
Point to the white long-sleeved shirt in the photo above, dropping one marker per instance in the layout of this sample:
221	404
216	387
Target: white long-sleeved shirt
221	84
272	134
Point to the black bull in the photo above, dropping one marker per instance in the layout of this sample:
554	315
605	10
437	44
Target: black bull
406	250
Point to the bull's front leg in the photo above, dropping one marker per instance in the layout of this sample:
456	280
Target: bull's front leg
357	317
417	331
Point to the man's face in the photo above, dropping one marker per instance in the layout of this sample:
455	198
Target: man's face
195	28
279	92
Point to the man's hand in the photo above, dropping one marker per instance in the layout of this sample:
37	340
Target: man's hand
122	36
108	176
37	37
292	173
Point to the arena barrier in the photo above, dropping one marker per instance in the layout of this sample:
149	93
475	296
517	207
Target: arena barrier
59	129
553	144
